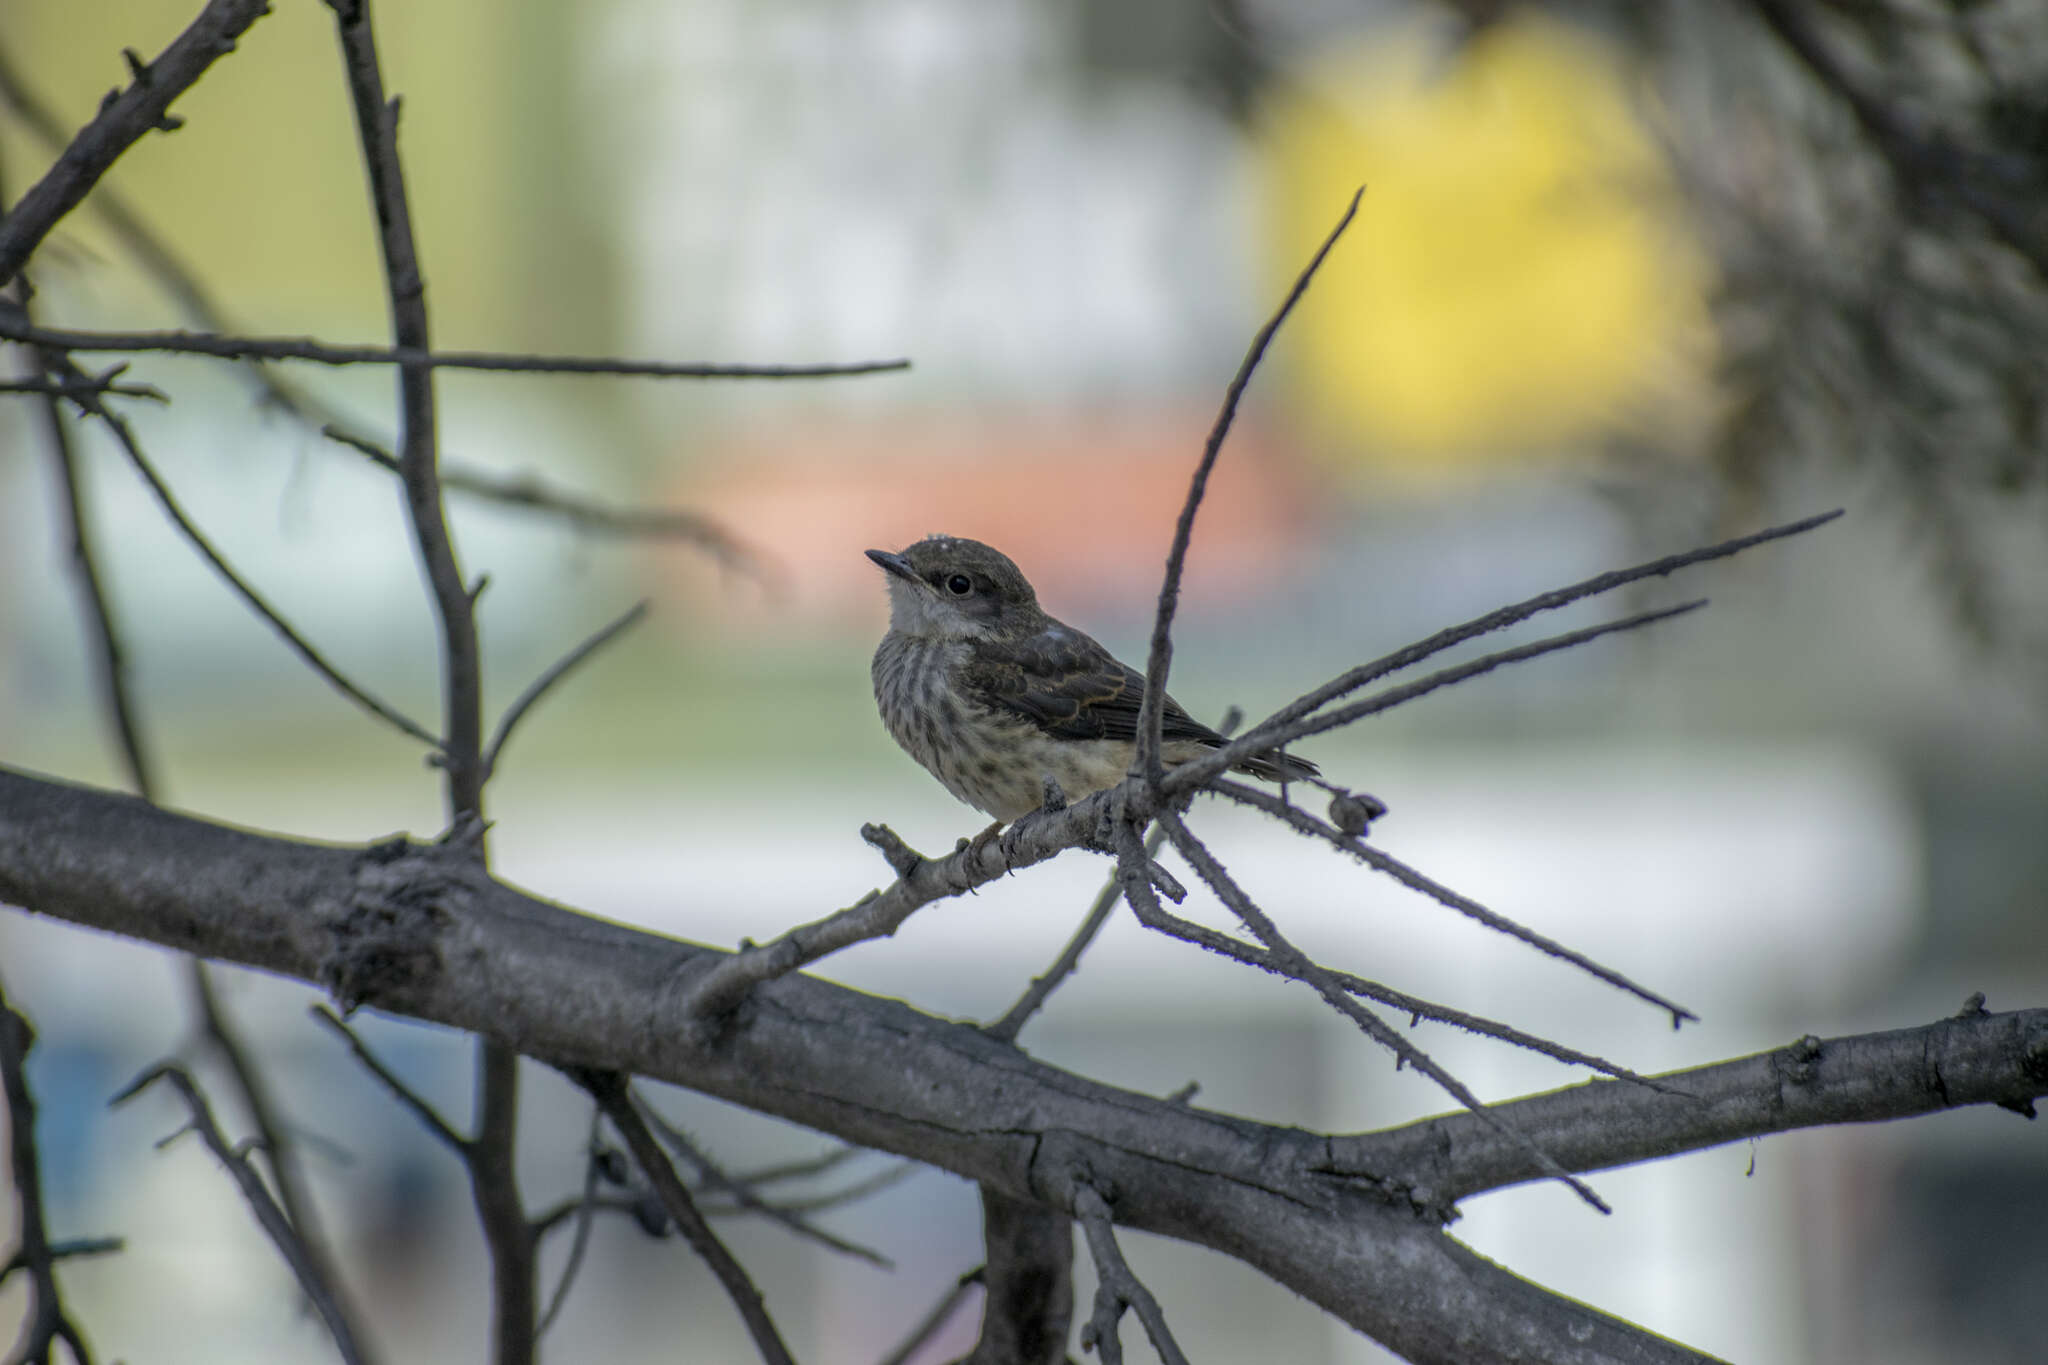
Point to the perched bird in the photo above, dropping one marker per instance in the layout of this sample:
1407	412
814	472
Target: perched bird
993	696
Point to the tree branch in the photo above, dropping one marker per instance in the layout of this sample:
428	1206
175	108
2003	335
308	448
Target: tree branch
279	1228
409	929
1974	1058
1150	711
124	117
609	1089
538	688
1116	1288
418	355
1027	1303
46	1322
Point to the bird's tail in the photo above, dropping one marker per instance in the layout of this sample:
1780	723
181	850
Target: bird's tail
1275	766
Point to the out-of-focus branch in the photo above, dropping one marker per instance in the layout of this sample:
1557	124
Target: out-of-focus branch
2003	195
609	1089
935	1320
124	117
538	688
417	355
125	436
271	1218
46	1321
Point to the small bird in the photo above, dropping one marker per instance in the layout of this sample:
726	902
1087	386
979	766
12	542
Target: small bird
993	696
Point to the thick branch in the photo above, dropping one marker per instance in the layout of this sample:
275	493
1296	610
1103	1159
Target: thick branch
1975	1058
1028	1303
125	116
419	931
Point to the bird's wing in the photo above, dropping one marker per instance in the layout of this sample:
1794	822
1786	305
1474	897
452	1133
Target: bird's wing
1070	687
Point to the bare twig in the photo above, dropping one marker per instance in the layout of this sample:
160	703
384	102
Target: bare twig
1379	861
1313	975
586	1216
413	355
46	1322
1416	1008
272	1219
110	666
312	657
609	1089
1116	1288
1503	617
1268	734
531	493
403	1093
932	1322
65	1251
1151	714
124	117
708	1176
273	1138
99	386
1041	988
539	686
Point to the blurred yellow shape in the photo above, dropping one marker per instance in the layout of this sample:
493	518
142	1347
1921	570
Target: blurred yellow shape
1518	277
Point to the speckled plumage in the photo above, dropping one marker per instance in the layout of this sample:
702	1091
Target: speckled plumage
993	696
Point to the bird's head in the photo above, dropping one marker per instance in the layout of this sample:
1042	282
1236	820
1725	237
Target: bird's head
950	587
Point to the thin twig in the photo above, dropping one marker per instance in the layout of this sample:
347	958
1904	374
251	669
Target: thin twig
1041	988
100	386
110	665
1269	734
403	1093
935	1320
312	657
1301	821
709	1177
586	1211
1503	617
1151	711
405	289
413	356
124	118
1313	975
608	1088
294	1194
1416	1008
47	1322
279	1228
539	686
1116	1287
533	494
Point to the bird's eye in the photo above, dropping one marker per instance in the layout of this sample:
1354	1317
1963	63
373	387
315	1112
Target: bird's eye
959	585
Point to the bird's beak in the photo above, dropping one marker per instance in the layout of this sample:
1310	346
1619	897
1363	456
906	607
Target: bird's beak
895	564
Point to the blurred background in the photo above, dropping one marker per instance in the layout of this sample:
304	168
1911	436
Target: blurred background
1625	279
